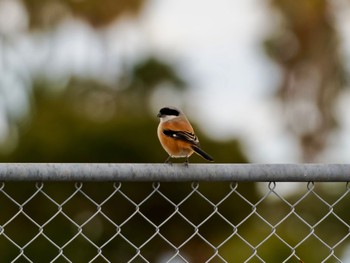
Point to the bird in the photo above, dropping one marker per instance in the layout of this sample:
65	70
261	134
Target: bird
177	136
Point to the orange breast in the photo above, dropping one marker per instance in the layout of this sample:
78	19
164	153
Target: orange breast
175	148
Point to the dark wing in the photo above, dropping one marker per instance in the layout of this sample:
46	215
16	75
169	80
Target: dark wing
191	138
182	135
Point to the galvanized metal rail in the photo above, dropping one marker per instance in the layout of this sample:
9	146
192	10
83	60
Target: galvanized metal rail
174	173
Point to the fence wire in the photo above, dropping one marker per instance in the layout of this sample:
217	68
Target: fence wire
174	222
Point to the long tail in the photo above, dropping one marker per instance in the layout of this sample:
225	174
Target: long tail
202	153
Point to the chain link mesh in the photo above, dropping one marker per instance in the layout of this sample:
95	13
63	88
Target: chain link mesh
174	222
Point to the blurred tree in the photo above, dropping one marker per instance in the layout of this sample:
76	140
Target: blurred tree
45	14
91	122
142	80
306	46
21	18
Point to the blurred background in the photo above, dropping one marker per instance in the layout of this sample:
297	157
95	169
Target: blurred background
262	81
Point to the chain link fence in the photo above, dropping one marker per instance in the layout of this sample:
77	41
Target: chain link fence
88	217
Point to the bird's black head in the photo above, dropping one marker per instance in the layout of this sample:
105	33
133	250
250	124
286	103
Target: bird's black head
168	111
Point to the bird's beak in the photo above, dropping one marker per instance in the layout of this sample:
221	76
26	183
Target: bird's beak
159	115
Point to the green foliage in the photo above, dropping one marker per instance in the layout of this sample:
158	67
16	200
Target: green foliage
152	72
89	121
85	124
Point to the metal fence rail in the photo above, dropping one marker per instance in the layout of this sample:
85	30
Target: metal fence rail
163	213
176	172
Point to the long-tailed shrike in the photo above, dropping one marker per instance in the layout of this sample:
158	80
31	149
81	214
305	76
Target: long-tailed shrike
176	135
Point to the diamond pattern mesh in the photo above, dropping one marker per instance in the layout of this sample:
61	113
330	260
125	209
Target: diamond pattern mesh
174	222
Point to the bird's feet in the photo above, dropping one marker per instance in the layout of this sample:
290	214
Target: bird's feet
186	162
168	160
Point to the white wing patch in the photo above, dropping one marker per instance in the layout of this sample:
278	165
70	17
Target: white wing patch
182	135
